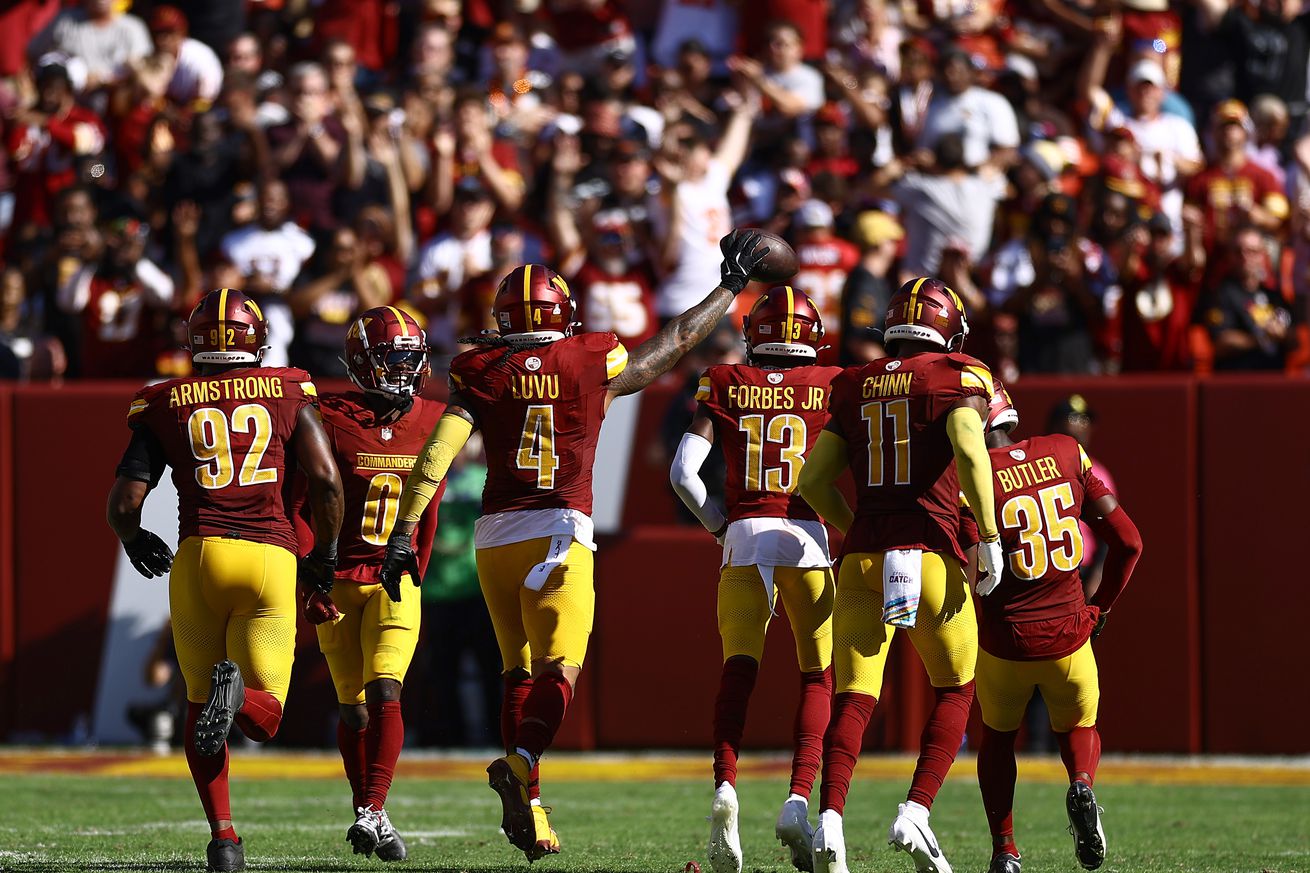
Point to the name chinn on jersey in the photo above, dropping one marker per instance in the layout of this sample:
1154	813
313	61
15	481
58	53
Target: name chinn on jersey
767	422
539	410
892	414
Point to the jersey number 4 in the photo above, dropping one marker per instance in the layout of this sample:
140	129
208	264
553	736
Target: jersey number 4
537	445
210	434
1047	536
787	431
875	414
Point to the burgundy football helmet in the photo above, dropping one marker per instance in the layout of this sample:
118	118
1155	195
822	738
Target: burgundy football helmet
387	353
227	327
925	309
534	304
783	323
1000	409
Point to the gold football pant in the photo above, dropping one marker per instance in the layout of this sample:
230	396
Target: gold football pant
553	624
745	610
232	598
375	638
1069	685
945	633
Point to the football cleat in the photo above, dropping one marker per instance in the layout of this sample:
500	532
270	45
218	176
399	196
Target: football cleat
225	855
1004	863
547	841
1085	825
911	834
227	694
508	776
365	834
390	846
829	848
724	851
794	831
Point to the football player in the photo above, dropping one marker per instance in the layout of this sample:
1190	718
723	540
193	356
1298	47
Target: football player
1036	629
367	638
538	393
767	413
898	422
230	435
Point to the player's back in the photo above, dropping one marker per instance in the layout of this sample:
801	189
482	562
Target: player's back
892	413
539	410
767	421
375	458
225	437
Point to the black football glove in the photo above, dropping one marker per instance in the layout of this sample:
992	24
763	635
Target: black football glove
1100	624
149	554
318	570
742	253
398	560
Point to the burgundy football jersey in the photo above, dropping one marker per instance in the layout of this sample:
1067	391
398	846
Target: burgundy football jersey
225	437
892	413
1041	485
766	421
375	459
540	411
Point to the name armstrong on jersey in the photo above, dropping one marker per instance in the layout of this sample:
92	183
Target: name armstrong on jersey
237	388
758	397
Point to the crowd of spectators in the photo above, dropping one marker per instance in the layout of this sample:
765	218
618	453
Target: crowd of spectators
1111	185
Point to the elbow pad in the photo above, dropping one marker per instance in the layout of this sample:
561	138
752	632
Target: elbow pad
974	465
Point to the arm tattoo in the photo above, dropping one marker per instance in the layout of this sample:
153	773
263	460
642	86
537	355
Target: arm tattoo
657	355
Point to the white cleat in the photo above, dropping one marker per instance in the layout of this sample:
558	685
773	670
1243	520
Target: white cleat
794	831
365	834
829	849
910	833
724	850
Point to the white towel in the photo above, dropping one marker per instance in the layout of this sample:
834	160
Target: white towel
555	555
902	583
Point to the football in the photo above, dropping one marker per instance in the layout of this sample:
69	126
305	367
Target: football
779	264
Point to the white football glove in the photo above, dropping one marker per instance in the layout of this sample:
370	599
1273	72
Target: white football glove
991	560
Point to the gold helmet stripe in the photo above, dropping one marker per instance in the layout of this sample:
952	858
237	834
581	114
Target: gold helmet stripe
254	307
527	295
791	314
955	298
404	328
914	298
222	319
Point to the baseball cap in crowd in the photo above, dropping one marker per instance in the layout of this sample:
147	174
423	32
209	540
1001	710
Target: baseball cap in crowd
830	113
1046	157
505	32
1021	67
814	213
919	45
1123	133
1146	70
168	19
631	148
1231	112
875	227
796	180
471	188
1159	223
693	46
619	54
1073	406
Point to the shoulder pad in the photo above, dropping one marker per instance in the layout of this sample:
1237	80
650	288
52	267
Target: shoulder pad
142	399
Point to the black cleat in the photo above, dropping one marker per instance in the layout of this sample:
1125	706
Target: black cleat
1085	825
227	694
1004	863
224	855
390	847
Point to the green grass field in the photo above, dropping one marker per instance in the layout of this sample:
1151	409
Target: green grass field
100	819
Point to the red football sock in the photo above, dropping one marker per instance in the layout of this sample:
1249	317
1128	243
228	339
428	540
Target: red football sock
209	772
543	712
996	775
851	712
940	741
517	686
351	744
736	683
1080	750
260	715
812	714
383	739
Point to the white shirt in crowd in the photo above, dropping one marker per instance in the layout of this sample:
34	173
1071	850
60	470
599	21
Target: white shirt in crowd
106	50
1160	139
278	256
198	74
982	117
445	263
703	206
802	80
